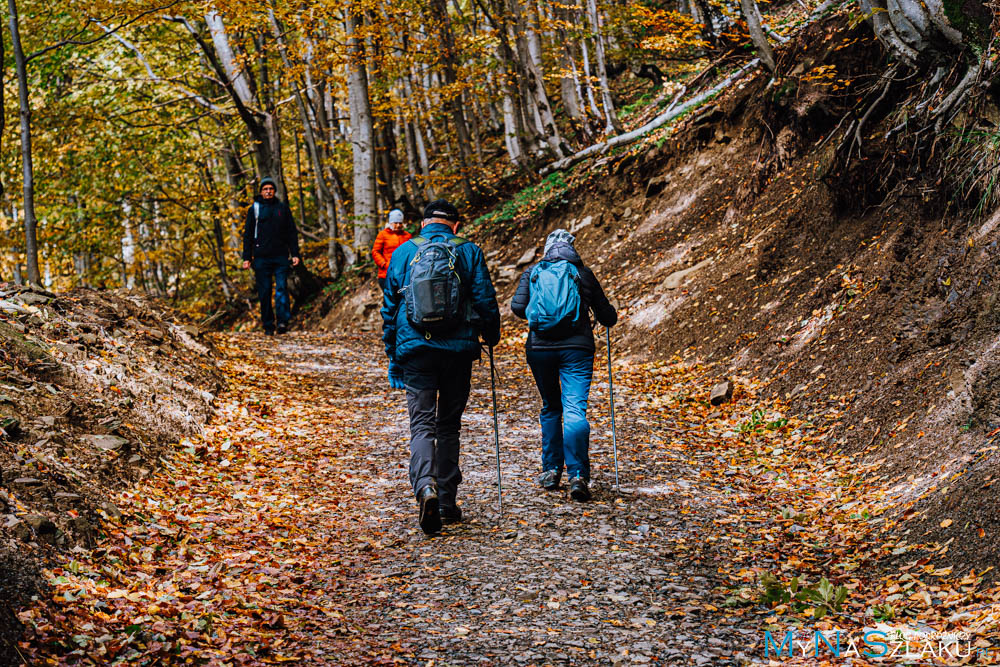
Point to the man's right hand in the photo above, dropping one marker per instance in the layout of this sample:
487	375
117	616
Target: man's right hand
246	264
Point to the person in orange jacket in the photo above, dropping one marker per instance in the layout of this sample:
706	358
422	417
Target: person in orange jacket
387	241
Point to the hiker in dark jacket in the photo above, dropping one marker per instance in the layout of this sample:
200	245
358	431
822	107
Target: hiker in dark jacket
271	246
563	366
436	368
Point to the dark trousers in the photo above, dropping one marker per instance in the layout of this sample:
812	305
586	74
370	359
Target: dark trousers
563	379
268	270
437	389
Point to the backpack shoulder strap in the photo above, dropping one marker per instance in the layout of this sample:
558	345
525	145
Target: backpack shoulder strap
418	240
457	240
256	218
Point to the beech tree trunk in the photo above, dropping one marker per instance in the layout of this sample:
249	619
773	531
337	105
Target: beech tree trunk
751	13
439	11
362	136
27	167
611	122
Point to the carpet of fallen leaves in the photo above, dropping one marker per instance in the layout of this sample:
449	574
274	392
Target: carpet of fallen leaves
287	534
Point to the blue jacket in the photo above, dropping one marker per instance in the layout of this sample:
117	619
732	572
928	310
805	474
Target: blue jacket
402	341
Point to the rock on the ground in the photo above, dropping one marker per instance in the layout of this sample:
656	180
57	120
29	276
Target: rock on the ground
108	442
721	393
527	258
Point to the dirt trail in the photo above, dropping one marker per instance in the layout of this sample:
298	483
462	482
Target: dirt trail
289	533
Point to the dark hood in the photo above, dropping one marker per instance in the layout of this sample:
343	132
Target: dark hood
560	251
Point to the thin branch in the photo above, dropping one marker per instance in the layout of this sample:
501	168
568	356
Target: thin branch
154	76
70	41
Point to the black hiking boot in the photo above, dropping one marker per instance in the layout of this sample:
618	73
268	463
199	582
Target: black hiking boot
578	489
282	329
430	514
268	332
451	514
550	480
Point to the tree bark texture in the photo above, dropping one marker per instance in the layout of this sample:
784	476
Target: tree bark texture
751	13
27	166
362	136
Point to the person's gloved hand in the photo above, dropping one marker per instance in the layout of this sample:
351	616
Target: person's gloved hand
491	341
396	376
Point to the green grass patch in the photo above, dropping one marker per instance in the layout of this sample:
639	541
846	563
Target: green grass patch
524	205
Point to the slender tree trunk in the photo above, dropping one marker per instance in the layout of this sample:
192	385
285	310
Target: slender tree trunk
611	123
416	193
362	136
128	246
439	11
3	105
418	135
259	118
27	167
298	177
588	79
534	79
751	12
477	143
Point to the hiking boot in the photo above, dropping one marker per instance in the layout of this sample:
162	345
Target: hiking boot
282	329
578	489
549	480
451	514
268	332
430	514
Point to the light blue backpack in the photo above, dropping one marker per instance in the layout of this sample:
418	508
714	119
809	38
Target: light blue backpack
554	303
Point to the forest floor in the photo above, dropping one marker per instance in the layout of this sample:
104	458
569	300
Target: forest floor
288	533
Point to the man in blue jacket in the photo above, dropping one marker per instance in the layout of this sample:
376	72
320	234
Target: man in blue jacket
436	368
271	246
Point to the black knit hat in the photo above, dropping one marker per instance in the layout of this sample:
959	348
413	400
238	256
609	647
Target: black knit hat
441	208
267	180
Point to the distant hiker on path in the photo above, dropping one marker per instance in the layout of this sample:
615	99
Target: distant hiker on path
555	296
270	240
386	243
437	300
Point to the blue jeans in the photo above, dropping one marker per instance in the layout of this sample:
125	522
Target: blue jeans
563	379
267	269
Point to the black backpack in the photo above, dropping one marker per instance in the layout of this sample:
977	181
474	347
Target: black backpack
435	302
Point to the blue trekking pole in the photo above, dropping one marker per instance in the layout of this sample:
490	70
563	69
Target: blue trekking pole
614	434
496	428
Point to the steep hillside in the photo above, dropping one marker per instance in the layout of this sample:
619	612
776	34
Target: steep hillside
841	269
94	386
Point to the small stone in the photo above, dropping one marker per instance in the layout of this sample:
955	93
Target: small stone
48	420
31	298
577	226
721	393
110	510
88	339
27	481
527	258
106	442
